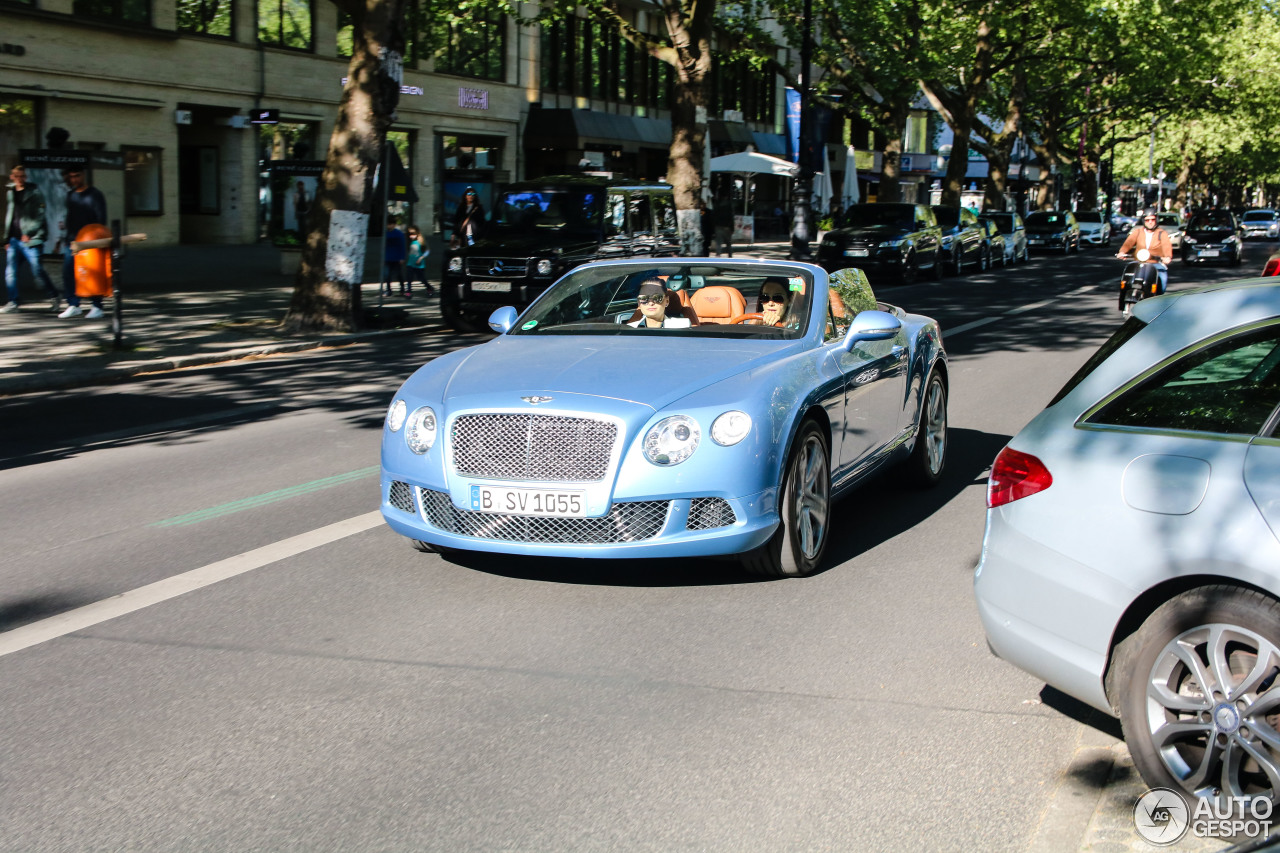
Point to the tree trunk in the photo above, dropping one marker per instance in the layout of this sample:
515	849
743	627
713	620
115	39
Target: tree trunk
689	26
326	294
891	170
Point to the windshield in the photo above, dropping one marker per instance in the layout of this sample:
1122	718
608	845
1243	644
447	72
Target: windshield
1086	216
870	215
947	216
701	301
1259	216
528	211
1213	220
1168	219
1043	218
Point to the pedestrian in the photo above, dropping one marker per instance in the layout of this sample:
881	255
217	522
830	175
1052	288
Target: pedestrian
417	261
25	232
722	215
468	220
708	226
301	204
393	258
86	205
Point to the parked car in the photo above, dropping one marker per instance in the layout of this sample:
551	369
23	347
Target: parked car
1131	557
1122	224
1015	235
576	434
899	240
1095	228
996	244
1213	235
964	240
1056	230
1171	224
539	229
1263	223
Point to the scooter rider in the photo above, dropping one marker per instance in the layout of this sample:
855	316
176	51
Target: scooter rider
1150	236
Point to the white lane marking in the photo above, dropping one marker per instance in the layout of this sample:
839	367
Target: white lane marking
1012	312
154	593
951	333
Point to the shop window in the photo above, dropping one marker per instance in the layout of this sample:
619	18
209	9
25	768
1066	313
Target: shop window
127	11
206	17
474	46
142	181
285	23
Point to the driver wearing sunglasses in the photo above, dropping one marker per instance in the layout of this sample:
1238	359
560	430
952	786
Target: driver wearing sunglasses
654	299
772	303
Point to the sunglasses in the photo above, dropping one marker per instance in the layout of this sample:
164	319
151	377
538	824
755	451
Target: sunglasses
651	299
773	297
1149	219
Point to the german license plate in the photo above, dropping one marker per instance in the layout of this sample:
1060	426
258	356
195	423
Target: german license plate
1208	253
1033	240
492	286
856	253
552	503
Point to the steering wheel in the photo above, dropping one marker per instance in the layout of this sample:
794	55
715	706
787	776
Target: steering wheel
742	318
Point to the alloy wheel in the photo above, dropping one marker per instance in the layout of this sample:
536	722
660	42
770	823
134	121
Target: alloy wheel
811	496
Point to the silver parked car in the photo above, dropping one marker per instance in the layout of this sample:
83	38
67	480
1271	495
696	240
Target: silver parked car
1095	228
1131	556
1171	224
1261	223
1015	235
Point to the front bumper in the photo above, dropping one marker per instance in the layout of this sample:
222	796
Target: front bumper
1267	232
1094	238
876	259
642	528
1208	252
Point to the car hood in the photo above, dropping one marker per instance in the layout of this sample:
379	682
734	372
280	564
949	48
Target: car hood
1215	234
877	231
645	371
1047	229
530	245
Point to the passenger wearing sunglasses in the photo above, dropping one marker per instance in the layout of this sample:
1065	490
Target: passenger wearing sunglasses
653	300
772	303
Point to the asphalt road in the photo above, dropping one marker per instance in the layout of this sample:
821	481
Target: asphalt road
344	692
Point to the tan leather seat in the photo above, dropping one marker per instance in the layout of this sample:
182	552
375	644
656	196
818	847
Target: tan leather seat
718	304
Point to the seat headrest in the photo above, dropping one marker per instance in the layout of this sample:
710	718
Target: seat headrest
718	303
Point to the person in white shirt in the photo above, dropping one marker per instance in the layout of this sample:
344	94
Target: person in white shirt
654	299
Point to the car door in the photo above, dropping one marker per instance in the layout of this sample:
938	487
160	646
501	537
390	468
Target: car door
875	376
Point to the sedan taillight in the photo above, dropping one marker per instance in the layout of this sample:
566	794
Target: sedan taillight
1016	475
1272	267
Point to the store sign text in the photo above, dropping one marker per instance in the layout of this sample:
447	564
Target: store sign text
473	99
404	90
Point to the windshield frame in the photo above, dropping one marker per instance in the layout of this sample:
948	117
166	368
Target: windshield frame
538	201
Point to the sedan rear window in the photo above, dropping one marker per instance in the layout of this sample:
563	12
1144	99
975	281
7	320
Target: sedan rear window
1231	386
1118	339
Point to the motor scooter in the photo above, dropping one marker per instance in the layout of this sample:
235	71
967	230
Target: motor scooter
1142	278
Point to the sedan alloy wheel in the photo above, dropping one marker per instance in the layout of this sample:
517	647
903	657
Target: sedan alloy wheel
804	511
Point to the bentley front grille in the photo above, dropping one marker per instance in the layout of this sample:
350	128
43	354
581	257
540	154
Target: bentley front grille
706	513
626	522
498	267
401	496
547	448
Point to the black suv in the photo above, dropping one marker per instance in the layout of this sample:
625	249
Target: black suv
964	238
1053	229
540	229
896	239
1213	235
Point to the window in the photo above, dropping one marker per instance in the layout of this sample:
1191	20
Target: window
206	17
917	135
142	185
474	46
285	23
1230	386
128	11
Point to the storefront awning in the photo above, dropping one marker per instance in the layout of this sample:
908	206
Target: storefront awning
733	132
581	129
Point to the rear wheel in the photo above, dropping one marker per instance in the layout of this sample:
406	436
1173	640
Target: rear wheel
984	258
929	456
936	271
804	511
907	272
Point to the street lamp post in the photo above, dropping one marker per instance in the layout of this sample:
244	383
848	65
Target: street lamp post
802	192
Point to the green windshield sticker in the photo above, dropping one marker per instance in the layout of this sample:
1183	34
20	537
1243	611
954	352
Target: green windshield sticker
797	285
529	325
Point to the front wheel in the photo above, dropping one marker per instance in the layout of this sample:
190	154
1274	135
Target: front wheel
804	511
1194	687
929	456
984	259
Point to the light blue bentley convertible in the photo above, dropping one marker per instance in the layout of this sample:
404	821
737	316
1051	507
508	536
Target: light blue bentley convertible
667	408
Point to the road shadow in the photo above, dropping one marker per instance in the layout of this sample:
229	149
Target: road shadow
1080	712
24	611
668	572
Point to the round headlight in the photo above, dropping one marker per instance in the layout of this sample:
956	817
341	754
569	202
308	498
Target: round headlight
672	440
730	428
420	433
544	267
396	414
455	265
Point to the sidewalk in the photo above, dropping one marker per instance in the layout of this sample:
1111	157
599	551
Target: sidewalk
192	305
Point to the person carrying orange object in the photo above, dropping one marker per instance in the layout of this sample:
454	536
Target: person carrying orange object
86	205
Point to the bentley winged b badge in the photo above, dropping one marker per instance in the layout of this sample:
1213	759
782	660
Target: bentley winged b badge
533	401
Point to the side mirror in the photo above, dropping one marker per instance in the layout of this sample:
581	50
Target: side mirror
872	326
502	320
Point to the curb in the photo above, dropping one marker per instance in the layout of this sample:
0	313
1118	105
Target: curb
81	377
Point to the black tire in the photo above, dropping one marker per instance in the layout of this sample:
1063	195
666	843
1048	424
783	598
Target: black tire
936	271
1026	254
1213	721
984	259
1066	246
928	457
908	272
804	510
461	320
957	262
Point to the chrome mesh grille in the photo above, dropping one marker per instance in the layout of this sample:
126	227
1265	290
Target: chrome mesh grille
401	496
547	448
706	513
626	522
498	267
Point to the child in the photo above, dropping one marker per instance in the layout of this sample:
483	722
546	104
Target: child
393	260
417	261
